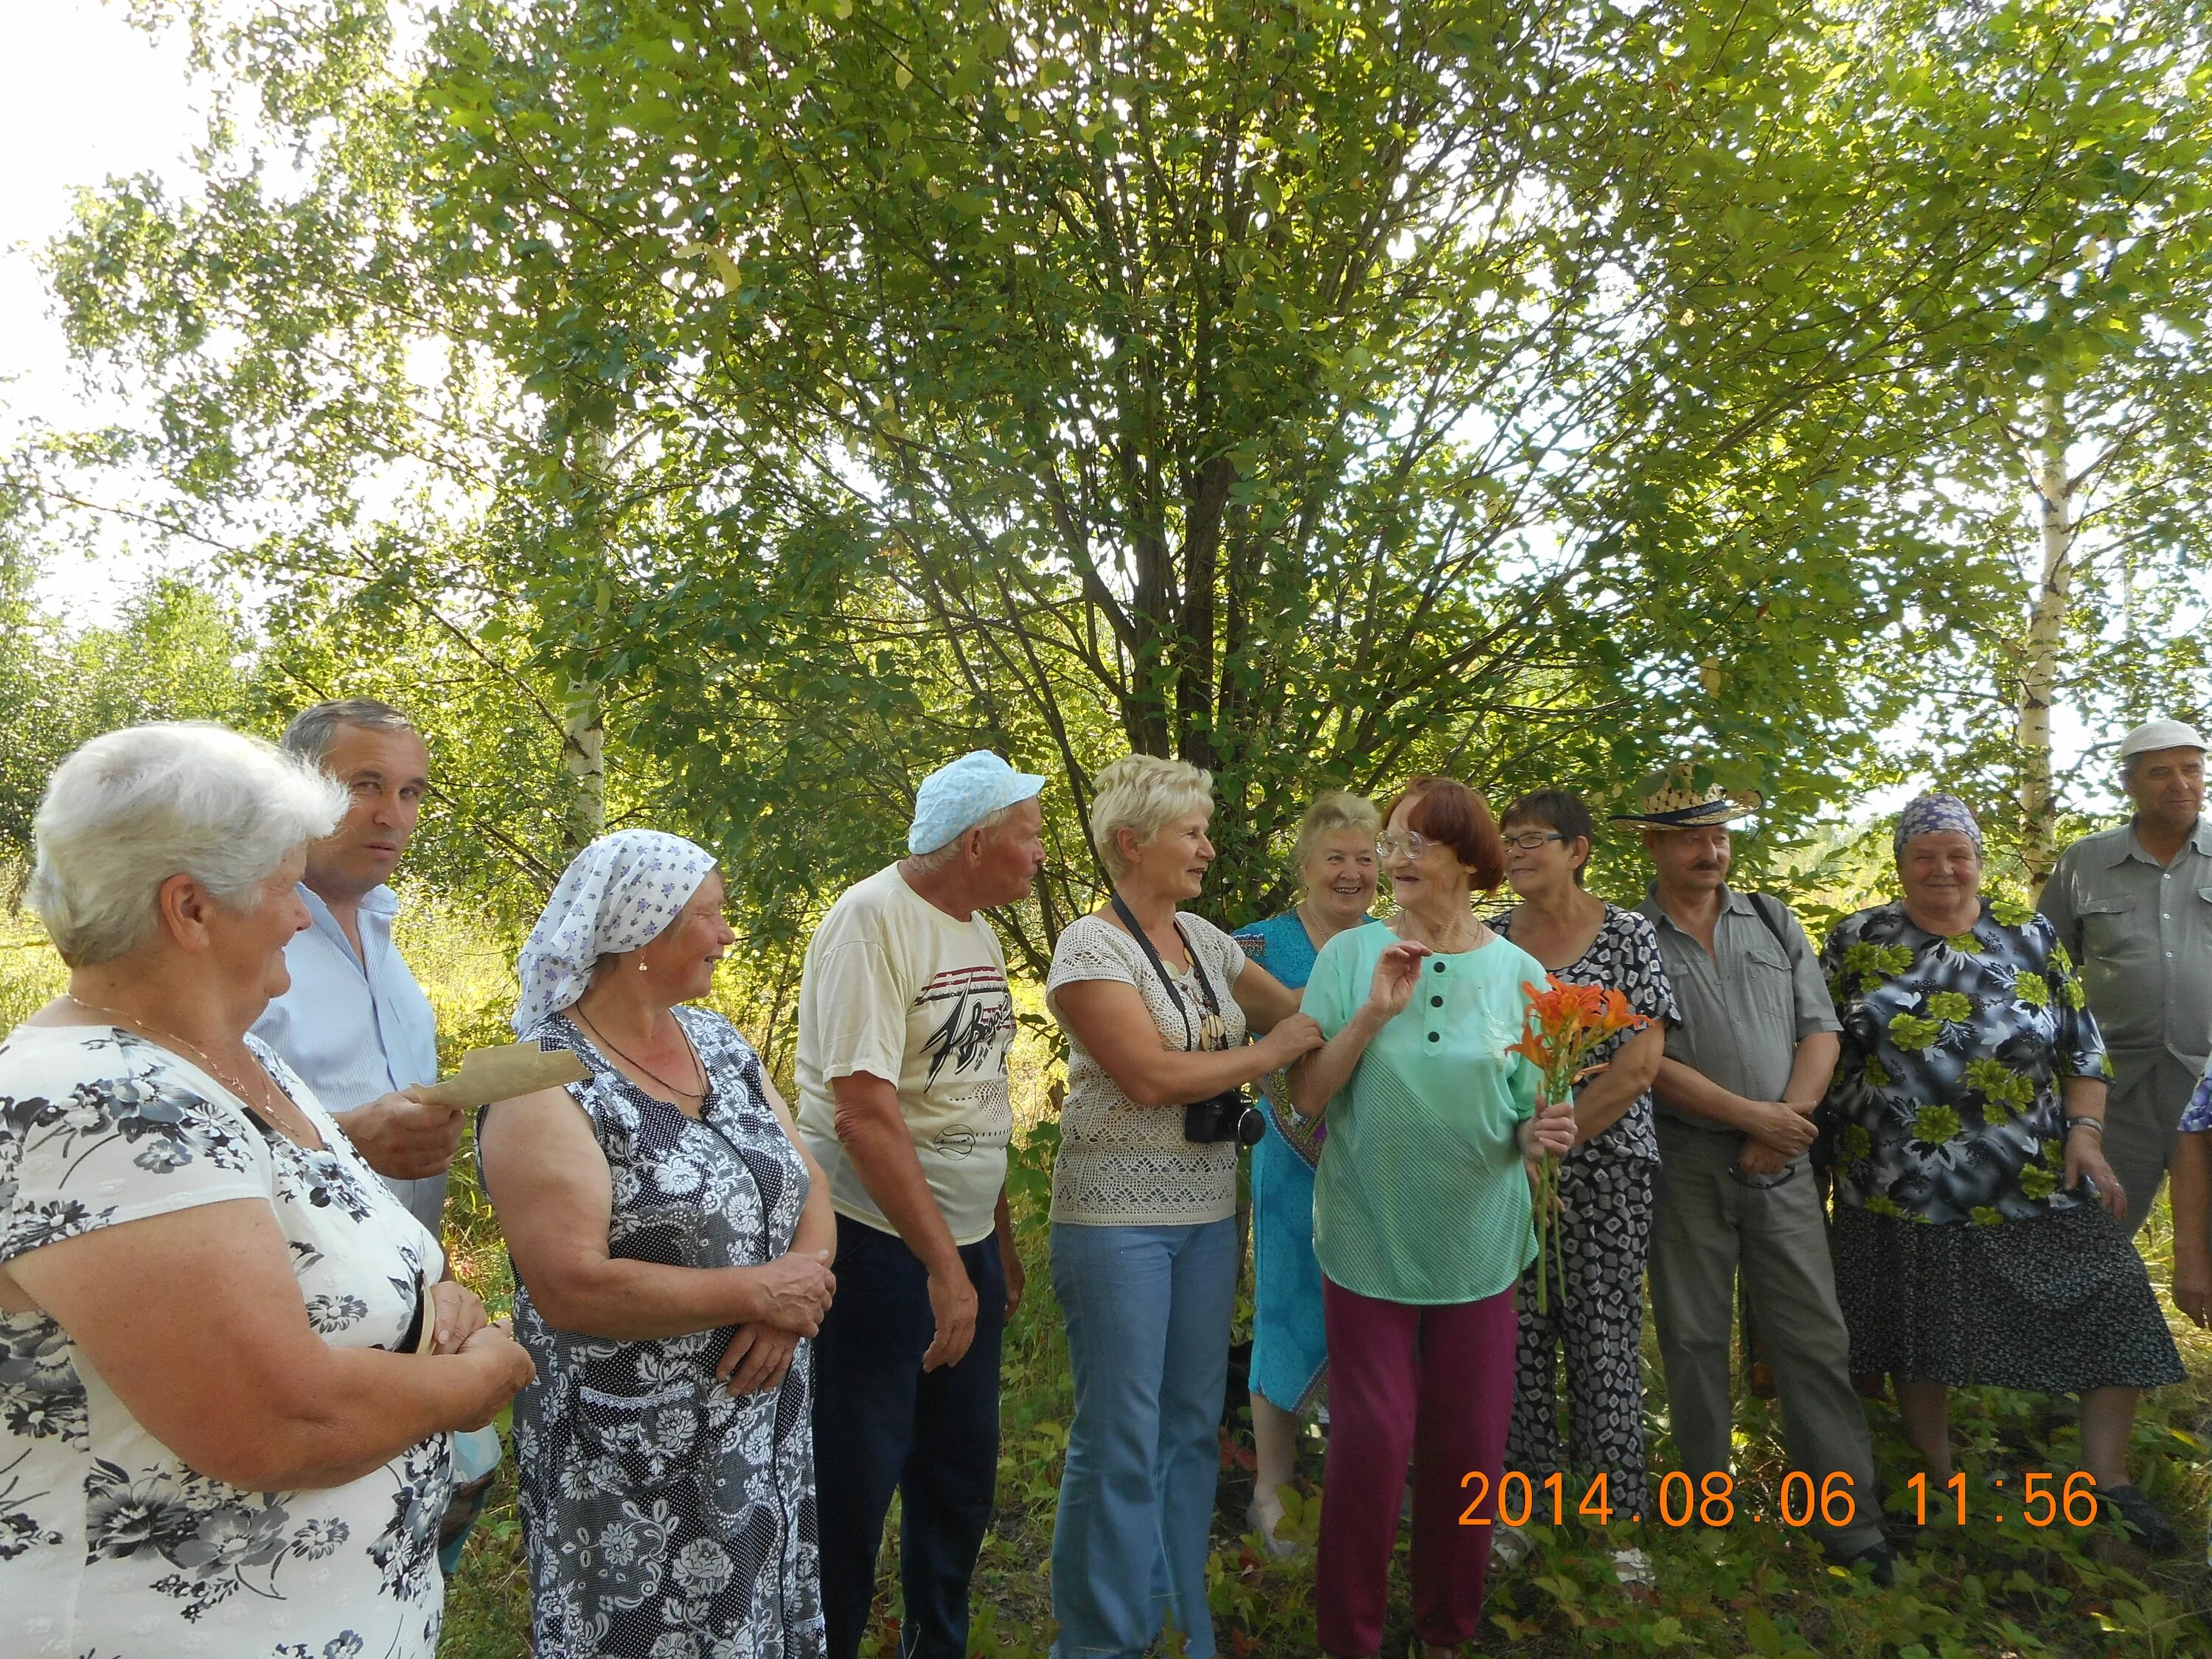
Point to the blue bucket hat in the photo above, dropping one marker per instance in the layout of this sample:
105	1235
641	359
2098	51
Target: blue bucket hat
960	794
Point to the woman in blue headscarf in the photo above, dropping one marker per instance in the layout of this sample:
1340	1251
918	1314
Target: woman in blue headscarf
1974	1234
1336	865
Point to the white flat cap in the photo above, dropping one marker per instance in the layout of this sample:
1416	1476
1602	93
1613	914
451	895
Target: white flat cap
2160	734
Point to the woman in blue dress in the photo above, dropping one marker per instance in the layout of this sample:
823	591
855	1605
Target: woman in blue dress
1289	1354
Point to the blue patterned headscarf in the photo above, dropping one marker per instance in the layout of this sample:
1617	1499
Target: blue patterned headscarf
622	891
1934	814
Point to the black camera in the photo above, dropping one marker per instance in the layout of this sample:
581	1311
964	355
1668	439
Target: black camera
1227	1116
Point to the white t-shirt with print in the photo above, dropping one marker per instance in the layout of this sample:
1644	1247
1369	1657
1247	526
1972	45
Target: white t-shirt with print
895	988
109	1543
1119	1164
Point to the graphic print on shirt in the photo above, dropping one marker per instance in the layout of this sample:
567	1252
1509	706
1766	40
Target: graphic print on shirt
973	1022
979	1013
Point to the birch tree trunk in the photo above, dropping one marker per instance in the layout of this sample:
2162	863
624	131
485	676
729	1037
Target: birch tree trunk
583	755
583	730
2046	623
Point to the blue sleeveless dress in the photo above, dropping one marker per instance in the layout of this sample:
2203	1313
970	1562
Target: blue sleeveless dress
1290	1349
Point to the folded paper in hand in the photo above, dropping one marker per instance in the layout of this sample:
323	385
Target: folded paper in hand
490	1074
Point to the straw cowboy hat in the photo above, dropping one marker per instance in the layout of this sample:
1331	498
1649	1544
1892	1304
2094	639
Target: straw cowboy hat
1675	805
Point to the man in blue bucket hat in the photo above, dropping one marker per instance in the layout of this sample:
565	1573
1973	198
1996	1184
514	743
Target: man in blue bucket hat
904	1021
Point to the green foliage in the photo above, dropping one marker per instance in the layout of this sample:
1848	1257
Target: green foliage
176	652
1322	394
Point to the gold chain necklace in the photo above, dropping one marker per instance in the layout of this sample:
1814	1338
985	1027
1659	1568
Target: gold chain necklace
200	1055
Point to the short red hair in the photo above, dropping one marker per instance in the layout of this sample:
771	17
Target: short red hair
1446	811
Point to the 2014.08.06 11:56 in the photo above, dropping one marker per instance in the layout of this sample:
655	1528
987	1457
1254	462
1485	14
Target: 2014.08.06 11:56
2076	1502
1682	1503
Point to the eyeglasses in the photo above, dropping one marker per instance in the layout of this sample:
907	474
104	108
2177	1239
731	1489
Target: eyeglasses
1410	845
1530	840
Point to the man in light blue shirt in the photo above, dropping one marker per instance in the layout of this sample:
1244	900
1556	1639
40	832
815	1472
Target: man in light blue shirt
355	1025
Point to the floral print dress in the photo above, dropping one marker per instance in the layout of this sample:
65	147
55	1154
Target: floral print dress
109	1545
663	1518
1947	1103
1960	1253
1591	1328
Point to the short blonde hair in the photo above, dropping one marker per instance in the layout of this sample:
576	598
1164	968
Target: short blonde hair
1334	809
1143	793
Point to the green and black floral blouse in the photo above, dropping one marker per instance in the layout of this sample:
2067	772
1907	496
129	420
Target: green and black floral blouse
1945	1102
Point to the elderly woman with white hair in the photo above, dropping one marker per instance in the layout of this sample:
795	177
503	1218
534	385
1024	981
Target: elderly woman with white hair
1157	1005
670	1236
230	1366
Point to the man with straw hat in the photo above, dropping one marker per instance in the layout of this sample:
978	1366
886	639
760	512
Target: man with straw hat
1735	1191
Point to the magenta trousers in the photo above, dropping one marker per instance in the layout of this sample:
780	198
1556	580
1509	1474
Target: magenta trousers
1435	1383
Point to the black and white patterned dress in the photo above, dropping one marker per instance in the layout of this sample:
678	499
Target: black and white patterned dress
663	1518
1605	1240
110	1544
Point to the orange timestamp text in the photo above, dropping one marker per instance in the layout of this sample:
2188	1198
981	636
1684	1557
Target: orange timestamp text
2046	1500
1709	1502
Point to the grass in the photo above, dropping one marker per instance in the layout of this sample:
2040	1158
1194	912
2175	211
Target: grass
1988	1588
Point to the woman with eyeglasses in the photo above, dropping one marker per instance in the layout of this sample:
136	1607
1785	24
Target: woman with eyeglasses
1596	1319
1421	1219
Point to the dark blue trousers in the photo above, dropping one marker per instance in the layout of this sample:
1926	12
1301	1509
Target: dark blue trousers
881	1425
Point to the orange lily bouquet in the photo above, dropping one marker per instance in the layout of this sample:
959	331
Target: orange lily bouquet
1558	1031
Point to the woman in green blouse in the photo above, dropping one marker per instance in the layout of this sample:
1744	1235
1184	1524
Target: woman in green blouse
1421	1217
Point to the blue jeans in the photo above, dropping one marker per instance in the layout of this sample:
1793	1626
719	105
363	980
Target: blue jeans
1147	1311
881	1423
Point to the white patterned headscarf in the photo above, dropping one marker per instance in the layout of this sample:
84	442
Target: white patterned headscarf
620	892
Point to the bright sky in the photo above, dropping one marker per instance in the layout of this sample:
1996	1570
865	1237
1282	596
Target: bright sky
82	95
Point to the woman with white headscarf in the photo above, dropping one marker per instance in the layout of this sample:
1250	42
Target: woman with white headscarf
670	1236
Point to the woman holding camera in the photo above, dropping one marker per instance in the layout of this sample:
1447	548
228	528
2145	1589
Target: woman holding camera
1157	1005
1421	1219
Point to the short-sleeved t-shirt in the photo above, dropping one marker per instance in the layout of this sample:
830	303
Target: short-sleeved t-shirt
1420	1196
894	987
1123	1164
109	1544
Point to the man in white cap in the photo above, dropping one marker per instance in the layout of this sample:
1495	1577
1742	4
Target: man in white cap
904	1020
2134	907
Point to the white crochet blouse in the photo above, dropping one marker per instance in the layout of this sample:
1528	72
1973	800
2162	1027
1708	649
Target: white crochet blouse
1121	1164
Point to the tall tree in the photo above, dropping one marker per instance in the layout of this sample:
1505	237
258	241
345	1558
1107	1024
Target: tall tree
1256	384
794	396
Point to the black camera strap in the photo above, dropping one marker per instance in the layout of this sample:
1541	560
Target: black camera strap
1197	968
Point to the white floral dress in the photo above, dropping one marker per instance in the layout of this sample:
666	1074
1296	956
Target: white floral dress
663	1518
109	1545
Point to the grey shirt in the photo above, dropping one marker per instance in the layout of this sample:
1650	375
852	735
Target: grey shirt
2141	934
1746	1006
